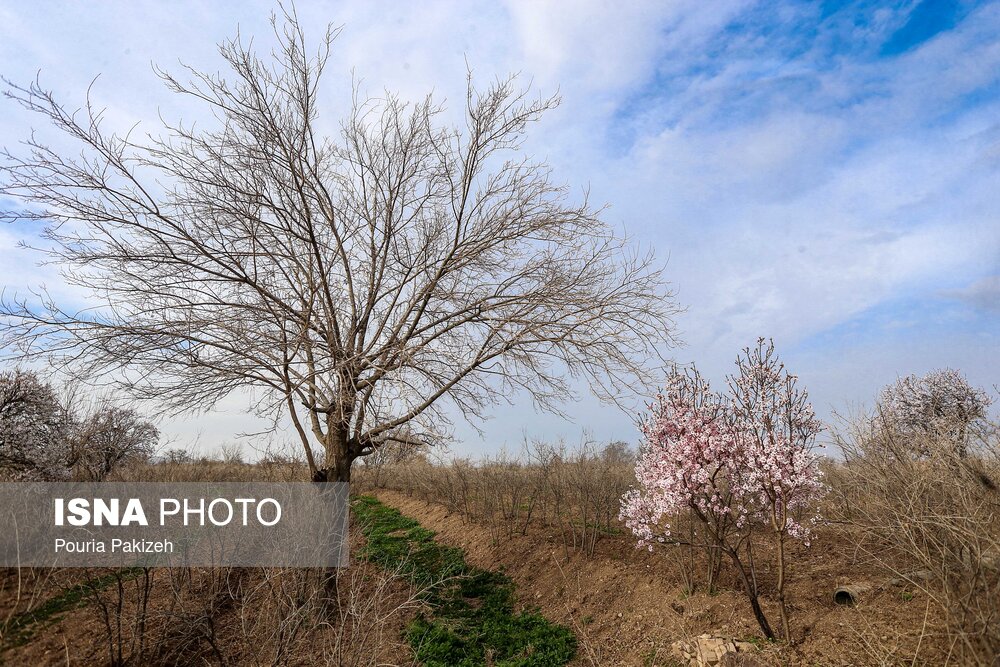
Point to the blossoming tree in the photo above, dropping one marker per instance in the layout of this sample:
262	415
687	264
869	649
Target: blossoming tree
682	467
34	429
735	464
941	403
777	470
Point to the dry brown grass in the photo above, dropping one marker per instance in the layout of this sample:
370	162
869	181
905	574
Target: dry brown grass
573	491
922	531
929	513
216	616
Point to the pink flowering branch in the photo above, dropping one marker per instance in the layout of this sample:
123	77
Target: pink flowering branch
778	472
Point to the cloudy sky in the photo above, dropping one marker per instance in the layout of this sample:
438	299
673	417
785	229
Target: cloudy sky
822	173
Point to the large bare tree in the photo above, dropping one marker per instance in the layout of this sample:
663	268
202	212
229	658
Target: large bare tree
354	281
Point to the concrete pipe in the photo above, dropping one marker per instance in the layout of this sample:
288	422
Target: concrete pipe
851	594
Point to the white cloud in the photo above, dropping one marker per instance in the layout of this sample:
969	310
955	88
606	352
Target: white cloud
794	187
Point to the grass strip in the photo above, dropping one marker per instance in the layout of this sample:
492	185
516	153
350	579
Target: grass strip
20	628
472	620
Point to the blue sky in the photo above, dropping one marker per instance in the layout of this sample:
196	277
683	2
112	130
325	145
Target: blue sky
823	173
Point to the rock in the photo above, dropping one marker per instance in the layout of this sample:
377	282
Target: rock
708	651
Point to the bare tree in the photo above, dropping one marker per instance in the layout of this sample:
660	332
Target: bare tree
356	279
109	437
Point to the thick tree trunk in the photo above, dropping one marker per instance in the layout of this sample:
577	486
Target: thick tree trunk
339	458
340	471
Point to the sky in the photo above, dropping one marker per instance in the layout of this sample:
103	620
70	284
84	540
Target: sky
824	173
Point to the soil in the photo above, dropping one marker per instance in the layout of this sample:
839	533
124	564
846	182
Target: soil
627	606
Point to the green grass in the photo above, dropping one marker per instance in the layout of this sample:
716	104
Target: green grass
471	620
20	628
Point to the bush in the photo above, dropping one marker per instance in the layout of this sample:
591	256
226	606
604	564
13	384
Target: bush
930	513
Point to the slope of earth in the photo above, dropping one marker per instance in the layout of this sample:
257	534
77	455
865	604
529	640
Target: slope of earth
627	606
469	620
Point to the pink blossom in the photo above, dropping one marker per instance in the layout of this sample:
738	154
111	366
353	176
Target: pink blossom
735	462
683	459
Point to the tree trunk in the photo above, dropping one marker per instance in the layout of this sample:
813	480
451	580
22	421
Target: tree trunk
751	591
340	456
339	471
781	589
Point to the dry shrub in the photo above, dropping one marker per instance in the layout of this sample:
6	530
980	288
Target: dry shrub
210	470
261	616
930	513
348	617
123	610
574	490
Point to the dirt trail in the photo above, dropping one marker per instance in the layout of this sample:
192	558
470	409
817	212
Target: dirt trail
627	606
617	604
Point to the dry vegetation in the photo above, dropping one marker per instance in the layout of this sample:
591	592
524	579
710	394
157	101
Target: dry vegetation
572	491
913	527
371	286
916	535
219	616
933	523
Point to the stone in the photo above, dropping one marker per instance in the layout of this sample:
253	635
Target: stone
710	651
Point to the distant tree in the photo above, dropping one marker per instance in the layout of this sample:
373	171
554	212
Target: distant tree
176	456
108	438
941	403
617	452
34	429
231	453
353	282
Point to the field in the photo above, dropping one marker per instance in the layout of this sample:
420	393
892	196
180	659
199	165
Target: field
509	561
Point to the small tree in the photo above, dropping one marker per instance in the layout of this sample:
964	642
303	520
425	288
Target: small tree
34	429
941	403
735	464
109	437
777	471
